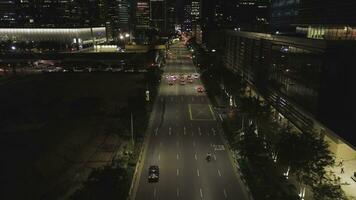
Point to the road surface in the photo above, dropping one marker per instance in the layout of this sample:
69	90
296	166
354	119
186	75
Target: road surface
183	130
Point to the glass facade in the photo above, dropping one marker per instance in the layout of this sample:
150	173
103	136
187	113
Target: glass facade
306	80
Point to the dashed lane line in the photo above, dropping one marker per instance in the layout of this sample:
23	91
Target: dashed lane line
225	194
219	173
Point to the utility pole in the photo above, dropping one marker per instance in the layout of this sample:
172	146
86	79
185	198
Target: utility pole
132	136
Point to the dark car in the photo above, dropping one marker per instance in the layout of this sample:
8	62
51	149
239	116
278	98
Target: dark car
153	173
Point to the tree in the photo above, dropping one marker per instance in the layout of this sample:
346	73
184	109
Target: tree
328	190
307	155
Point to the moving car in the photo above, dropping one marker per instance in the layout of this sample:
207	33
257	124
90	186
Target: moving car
153	173
200	89
182	81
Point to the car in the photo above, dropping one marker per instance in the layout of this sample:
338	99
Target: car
153	173
200	89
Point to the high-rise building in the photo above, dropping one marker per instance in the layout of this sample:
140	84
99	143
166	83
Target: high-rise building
309	82
142	14
284	15
331	20
187	18
251	15
8	13
158	15
171	16
118	16
195	10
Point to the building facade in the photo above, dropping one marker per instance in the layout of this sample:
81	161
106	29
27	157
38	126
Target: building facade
158	15
305	80
317	19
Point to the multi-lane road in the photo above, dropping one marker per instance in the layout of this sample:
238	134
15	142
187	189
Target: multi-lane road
183	129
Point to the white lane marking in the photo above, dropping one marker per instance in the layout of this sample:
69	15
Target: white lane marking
221	117
177	172
201	193
177	191
225	194
177	156
194	144
198	173
219	173
154	193
159	156
213	130
195	156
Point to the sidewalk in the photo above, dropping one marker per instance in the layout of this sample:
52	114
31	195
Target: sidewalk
347	184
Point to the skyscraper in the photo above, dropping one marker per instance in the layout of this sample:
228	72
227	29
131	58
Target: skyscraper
118	15
142	14
171	16
332	20
8	13
195	10
158	15
187	18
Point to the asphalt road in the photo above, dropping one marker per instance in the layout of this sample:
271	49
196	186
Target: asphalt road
183	130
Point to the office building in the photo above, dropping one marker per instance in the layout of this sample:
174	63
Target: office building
187	18
251	15
158	15
142	14
284	16
305	80
330	20
171	15
195	10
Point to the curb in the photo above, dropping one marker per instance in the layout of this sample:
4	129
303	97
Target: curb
235	164
138	169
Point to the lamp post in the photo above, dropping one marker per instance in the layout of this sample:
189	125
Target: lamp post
132	136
